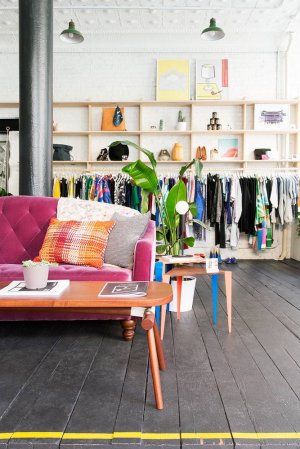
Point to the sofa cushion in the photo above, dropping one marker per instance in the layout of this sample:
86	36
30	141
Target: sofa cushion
23	223
76	242
123	238
13	272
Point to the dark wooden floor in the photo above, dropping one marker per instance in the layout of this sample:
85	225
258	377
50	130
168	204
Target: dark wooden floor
79	386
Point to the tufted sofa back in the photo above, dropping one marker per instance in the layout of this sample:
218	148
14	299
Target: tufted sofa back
23	224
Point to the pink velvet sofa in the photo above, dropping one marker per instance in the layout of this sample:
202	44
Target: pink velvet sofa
23	224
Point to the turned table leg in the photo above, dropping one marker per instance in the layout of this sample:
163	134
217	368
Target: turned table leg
128	327
228	290
148	323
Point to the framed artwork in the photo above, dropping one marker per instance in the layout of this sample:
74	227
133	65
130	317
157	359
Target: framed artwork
173	80
271	116
211	79
228	148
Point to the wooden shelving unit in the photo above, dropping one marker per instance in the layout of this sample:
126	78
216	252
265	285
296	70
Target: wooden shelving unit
80	122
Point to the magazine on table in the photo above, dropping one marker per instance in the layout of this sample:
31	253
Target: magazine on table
17	288
124	289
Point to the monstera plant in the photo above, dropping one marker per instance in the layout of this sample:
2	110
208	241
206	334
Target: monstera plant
146	177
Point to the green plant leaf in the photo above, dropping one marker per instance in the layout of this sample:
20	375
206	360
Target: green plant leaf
142	175
193	209
201	223
148	153
159	234
177	193
198	167
189	241
186	167
161	249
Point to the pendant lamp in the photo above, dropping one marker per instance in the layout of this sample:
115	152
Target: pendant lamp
212	33
71	35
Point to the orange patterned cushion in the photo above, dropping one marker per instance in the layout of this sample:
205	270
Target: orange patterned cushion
76	242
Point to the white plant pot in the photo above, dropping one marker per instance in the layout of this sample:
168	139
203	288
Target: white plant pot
36	277
187	294
181	126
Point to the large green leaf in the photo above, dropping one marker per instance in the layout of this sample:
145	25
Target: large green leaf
142	175
193	209
199	222
186	167
161	249
148	153
177	193
189	241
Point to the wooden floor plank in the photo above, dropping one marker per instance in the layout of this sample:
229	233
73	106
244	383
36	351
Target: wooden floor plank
242	303
200	405
166	421
97	406
56	398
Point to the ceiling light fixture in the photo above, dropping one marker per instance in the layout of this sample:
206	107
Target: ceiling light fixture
212	33
71	35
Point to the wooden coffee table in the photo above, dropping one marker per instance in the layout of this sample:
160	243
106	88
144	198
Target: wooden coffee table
83	297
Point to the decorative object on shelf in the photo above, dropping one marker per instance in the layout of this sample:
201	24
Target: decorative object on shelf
71	35
181	123
212	33
173	80
261	154
201	153
62	152
11	123
214	122
164	155
161	125
271	116
113	119
57	127
228	148
211	79
177	152
103	155
146	177
118	152
36	273
214	154
118	117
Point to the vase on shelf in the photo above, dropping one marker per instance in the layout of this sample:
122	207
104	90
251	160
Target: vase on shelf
177	152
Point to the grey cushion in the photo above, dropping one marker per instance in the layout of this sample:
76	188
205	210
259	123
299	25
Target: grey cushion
123	238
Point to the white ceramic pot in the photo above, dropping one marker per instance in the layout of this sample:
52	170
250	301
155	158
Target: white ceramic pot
181	126
187	294
36	277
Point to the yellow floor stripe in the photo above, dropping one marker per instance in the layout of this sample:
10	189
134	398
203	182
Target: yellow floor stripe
152	436
5	436
37	435
87	436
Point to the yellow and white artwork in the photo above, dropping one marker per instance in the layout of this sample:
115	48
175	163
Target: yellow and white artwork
173	80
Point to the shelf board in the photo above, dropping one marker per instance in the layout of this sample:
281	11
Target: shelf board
220	161
269	160
70	133
69	162
166	133
219	131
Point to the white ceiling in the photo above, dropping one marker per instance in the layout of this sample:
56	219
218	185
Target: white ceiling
164	16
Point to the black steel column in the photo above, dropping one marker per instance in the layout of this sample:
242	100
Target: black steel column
36	83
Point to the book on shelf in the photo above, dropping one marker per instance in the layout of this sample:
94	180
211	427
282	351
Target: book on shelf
17	288
124	289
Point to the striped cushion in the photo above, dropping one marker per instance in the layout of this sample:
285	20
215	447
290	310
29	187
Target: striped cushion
76	242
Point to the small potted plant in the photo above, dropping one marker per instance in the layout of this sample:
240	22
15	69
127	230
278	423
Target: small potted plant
36	273
181	122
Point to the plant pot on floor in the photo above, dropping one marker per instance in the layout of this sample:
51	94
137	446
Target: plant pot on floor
36	276
187	294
